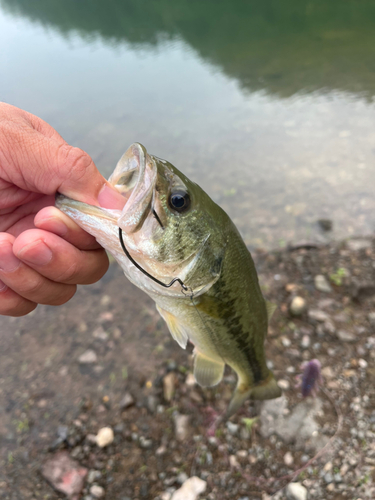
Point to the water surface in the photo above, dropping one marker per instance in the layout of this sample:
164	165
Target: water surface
268	106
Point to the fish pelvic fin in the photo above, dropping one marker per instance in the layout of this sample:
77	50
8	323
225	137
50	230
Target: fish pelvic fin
207	371
177	331
268	389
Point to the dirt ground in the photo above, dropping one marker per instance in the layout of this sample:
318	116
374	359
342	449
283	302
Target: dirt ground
138	381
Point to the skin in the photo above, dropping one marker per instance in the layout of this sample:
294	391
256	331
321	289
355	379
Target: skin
43	253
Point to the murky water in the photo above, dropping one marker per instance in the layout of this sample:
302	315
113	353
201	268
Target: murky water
269	106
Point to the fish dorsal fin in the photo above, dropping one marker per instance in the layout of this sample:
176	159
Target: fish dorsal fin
177	331
207	371
271	308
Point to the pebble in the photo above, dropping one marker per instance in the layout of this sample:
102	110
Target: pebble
321	284
295	491
371	318
232	428
325	224
88	357
93	475
283	384
305	342
288	458
104	437
97	491
358	244
126	401
316	315
362	363
191	489
346	336
100	334
145	443
181	425
298	306
65	474
169	382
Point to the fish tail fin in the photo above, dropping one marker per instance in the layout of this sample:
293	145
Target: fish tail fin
268	389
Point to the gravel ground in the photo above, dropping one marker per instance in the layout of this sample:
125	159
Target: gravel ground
97	398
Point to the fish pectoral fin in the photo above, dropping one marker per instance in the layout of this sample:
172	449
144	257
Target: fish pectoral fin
207	371
177	331
271	308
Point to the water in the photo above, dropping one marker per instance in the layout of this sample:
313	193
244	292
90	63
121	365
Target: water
269	107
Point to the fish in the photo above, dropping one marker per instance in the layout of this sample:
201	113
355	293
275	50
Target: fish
171	228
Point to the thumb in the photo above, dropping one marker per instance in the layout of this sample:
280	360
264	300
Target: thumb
79	178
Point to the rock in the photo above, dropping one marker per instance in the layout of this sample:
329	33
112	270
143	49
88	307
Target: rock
283	384
295	491
232	428
358	244
126	401
190	380
305	342
181	423
88	357
93	475
145	443
325	224
298	426
104	437
321	284
298	306
97	491
317	316
191	489
288	458
169	382
371	318
100	334
345	336
65	474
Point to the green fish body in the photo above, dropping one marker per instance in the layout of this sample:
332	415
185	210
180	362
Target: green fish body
172	228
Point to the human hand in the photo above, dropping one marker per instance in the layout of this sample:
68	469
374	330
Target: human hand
43	253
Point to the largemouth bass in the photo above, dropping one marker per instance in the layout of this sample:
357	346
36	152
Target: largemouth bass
171	228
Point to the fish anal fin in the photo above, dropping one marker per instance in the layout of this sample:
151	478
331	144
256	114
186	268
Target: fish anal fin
271	308
207	371
177	331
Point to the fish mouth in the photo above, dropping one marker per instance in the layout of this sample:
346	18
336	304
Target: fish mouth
134	178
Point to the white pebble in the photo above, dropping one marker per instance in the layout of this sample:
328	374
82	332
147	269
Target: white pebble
283	384
104	437
288	458
297	306
88	357
97	491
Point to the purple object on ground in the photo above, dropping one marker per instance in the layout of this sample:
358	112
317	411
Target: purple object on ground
311	378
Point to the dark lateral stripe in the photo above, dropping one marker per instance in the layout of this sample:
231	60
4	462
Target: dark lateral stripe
243	339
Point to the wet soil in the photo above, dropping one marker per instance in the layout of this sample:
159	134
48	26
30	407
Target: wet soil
45	392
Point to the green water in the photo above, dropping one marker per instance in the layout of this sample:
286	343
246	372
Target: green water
268	105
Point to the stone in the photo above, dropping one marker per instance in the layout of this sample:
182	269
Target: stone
283	384
371	318
346	336
298	306
295	491
97	491
100	334
321	284
232	428
305	342
191	489
88	357
104	437
169	382
181	424
356	245
65	474
126	401
288	459
317	316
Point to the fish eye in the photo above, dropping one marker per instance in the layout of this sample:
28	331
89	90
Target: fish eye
179	201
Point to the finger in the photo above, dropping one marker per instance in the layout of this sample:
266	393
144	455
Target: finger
58	260
53	220
12	304
27	282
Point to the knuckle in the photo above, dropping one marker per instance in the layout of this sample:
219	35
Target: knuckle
75	159
67	275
